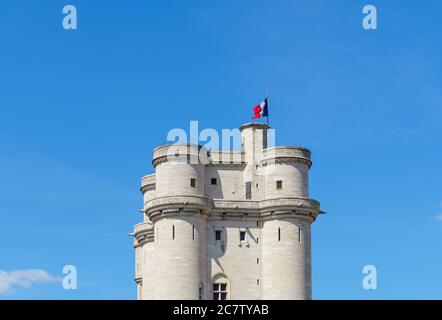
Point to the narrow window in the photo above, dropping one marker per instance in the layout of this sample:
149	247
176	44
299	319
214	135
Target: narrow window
220	291
299	234
257	260
248	190
193	232
218	235
257	239
257	224
201	292
279	234
213	181
173	232
264	139
242	236
192	182
257	282
279	184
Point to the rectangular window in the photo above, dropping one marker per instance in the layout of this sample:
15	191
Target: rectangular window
213	181
218	235
242	236
264	139
248	190
220	291
279	184
193	182
201	293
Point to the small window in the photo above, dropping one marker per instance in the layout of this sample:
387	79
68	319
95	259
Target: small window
173	232
193	182
279	234
279	184
242	236
248	190
218	235
264	139
257	260
213	181
193	232
220	291
201	292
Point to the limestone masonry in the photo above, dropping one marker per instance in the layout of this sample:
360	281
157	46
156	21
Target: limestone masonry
226	224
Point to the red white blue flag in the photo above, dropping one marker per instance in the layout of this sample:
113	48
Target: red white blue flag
261	110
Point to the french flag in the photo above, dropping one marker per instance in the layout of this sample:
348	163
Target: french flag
261	110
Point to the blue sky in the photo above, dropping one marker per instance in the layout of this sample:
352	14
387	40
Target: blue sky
81	111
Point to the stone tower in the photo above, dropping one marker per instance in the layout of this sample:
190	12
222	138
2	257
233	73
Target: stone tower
226	224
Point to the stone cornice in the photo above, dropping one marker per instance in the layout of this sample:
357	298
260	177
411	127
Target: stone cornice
219	209
148	187
204	161
143	233
287	160
193	159
163	213
270	215
159	160
256	125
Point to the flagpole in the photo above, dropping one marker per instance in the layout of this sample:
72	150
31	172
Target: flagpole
268	108
268	112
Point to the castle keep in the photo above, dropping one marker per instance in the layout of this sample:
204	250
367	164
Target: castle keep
226	224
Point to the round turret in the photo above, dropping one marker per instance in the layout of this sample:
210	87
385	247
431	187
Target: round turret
286	172
179	170
148	187
176	210
286	272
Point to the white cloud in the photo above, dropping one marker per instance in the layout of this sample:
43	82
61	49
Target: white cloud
23	278
438	217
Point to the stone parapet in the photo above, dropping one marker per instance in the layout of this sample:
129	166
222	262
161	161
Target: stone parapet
143	232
